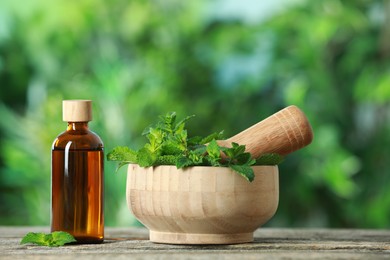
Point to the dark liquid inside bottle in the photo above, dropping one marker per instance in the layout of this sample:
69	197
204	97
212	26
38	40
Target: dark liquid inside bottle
77	184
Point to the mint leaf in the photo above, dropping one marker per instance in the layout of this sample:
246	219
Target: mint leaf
197	156
195	140
183	162
234	151
213	136
245	171
120	165
175	144
167	122
171	148
36	238
199	140
244	159
269	159
214	150
146	158
199	149
60	238
169	144
180	126
166	160
122	154
213	153
156	138
57	238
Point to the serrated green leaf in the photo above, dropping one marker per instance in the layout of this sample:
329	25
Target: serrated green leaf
234	151
194	141
57	238
166	160
183	162
199	149
181	137
169	144
213	136
213	156
238	149
156	138
214	150
245	171
146	158
60	238
244	159
122	154
167	122
181	124
213	161
269	159
171	148
120	165
35	238
196	157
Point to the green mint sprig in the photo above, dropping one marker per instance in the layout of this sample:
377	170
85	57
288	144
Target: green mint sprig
169	144
54	239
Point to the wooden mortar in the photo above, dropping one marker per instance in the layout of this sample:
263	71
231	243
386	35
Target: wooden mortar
215	205
201	205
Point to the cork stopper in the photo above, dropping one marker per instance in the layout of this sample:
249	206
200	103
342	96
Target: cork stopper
77	110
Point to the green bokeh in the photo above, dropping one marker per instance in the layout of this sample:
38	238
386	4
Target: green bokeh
139	59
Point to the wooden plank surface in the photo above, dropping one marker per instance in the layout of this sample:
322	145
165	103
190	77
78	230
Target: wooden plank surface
270	243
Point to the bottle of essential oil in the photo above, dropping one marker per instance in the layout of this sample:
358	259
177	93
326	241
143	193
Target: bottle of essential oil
77	176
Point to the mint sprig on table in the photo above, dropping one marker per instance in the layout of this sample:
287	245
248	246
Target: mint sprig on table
54	239
169	144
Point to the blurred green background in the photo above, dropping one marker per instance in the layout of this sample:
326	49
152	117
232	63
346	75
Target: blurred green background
231	63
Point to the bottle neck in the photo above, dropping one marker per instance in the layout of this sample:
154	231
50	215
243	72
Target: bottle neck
74	126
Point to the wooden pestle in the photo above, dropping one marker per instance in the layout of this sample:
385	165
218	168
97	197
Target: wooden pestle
283	132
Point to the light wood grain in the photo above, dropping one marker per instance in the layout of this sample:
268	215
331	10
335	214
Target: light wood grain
283	132
201	205
77	110
269	243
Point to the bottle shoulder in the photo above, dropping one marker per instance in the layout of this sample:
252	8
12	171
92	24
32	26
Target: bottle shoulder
78	140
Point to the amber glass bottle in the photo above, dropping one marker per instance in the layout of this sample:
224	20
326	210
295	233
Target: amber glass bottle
77	176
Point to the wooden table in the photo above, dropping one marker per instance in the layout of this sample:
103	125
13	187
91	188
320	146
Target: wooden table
270	243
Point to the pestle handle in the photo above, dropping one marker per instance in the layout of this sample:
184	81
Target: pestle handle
283	132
